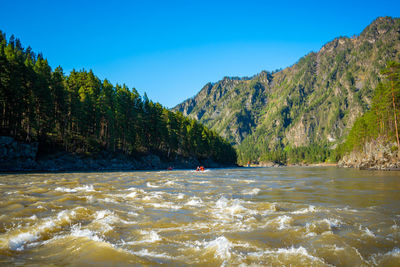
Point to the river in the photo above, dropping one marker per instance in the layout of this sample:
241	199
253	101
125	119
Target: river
299	216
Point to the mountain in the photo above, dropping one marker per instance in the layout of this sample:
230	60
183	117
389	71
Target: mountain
314	101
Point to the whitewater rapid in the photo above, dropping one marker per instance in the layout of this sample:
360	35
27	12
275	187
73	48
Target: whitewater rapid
245	216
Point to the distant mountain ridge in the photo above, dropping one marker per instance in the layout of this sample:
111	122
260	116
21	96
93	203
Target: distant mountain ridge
316	100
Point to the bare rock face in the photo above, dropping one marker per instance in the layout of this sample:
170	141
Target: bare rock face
376	155
299	135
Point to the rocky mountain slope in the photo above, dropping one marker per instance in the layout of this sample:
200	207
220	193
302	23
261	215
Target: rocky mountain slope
316	100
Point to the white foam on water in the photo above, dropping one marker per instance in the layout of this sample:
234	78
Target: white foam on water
135	189
166	205
76	231
347	208
222	247
131	213
366	231
282	221
253	191
148	184
180	196
150	236
64	189
201	182
225	204
109	200
49	224
33	217
85	188
102	214
157	195
336	248
332	222
369	232
222	203
136	207
195	171
169	183
309	209
394	253
109	218
17	243
299	251
231	210
310	234
131	195
243	181
195	226
146	253
195	201
66	215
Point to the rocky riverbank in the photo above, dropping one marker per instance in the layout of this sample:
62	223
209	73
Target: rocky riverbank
16	156
376	155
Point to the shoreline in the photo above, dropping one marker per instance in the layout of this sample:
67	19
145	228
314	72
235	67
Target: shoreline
72	167
17	157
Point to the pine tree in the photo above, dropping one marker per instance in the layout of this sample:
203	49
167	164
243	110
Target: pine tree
392	74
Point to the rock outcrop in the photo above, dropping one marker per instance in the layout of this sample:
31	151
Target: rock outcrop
376	155
17	155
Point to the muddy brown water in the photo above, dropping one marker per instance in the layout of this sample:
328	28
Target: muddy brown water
316	216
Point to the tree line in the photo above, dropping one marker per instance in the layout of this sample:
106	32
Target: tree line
81	113
313	153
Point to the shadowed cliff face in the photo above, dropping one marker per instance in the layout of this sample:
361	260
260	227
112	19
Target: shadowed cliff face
315	100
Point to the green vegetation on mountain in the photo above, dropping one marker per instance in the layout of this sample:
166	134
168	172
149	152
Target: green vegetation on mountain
382	120
301	113
80	113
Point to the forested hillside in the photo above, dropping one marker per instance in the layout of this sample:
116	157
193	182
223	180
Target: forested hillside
382	120
301	113
373	141
82	114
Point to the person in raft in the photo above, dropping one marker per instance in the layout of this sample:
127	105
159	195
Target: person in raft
201	168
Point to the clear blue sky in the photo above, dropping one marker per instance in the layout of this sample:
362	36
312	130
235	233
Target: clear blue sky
171	49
